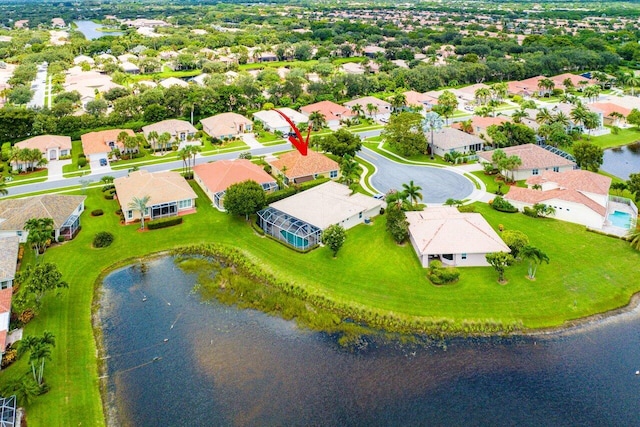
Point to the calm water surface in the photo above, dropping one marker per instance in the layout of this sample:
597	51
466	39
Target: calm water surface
222	366
622	161
89	29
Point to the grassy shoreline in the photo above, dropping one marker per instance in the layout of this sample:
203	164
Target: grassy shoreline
589	274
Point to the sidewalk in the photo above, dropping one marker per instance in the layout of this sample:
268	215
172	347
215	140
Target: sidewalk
251	140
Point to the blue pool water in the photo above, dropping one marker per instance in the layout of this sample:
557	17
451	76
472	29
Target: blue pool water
620	219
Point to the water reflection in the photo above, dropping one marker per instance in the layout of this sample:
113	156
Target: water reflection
622	161
222	366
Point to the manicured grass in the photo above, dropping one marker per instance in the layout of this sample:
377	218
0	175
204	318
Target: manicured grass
268	137
26	177
589	273
490	182
624	137
72	169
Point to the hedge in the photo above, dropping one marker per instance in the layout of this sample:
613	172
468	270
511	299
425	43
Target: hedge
102	239
97	212
163	223
293	189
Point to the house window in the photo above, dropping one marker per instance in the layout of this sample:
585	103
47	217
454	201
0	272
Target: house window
556	169
464	256
129	214
333	174
448	256
360	215
19	233
5	284
535	172
315	176
182	204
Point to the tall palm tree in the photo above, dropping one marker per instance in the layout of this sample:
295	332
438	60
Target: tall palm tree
185	154
482	95
357	110
140	204
3	187
590	122
412	191
500	90
398	101
518	115
348	170
562	118
579	114
317	120
163	140
544	116
431	122
153	138
371	109
535	257
122	137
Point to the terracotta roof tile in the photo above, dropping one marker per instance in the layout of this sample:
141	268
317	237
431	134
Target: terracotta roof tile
44	142
330	110
298	165
579	180
161	187
218	176
532	156
97	142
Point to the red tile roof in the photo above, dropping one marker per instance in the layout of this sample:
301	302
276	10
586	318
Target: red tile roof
298	165
96	142
607	108
218	176
532	156
330	110
530	196
578	180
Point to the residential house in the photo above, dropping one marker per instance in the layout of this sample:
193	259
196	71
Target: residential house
99	145
419	100
8	259
380	113
480	124
353	68
333	113
52	147
455	238
173	81
83	58
274	122
448	140
527	87
226	125
214	178
297	168
566	109
169	194
578	196
576	81
130	68
467	94
535	160
63	210
300	219
609	110
373	51
181	131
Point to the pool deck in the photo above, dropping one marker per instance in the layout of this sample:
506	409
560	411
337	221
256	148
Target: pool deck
621	207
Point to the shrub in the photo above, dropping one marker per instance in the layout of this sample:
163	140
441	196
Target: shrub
267	169
245	155
381	211
108	196
439	275
97	212
119	212
103	239
502	205
290	191
9	357
163	223
82	162
26	316
61	239
530	212
467	208
108	187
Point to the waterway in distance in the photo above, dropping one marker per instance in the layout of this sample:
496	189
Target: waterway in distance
221	366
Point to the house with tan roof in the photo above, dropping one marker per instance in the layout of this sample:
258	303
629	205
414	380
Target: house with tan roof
455	238
535	160
8	264
52	147
297	168
610	112
527	87
214	178
173	81
576	80
169	194
448	140
480	124
274	122
180	130
226	125
372	107
352	68
300	219
333	113
99	145
63	210
578	196
420	100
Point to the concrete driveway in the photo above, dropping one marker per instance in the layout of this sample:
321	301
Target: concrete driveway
438	184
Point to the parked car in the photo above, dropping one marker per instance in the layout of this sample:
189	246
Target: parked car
103	162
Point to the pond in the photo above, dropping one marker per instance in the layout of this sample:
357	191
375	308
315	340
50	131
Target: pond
89	29
173	360
622	161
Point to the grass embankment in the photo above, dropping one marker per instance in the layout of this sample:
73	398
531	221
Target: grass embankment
588	274
623	137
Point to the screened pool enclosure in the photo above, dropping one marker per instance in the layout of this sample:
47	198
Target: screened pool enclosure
288	229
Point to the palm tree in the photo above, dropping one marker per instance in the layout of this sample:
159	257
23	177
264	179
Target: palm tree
357	109
592	92
579	114
590	122
518	115
153	138
122	137
431	122
562	118
482	95
130	144
39	349
140	204
185	154
193	152
535	257
634	238
317	120
371	108
546	85
348	170
544	116
163	140
398	101
500	90
412	192
567	83
617	117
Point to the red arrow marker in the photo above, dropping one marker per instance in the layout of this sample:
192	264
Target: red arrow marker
297	141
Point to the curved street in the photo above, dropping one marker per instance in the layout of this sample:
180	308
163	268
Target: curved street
438	184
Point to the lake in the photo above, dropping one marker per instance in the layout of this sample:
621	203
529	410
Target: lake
89	29
221	366
622	161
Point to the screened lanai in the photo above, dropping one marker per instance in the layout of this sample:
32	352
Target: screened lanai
288	229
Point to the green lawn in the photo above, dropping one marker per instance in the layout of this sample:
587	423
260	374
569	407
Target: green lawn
26	177
589	273
490	182
72	169
624	137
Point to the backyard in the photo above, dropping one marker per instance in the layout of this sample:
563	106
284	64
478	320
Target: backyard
589	273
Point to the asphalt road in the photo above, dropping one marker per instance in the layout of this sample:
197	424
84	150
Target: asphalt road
38	86
438	184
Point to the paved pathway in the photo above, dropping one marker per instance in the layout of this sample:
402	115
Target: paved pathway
251	141
55	169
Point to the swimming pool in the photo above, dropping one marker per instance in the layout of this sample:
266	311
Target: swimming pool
620	219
